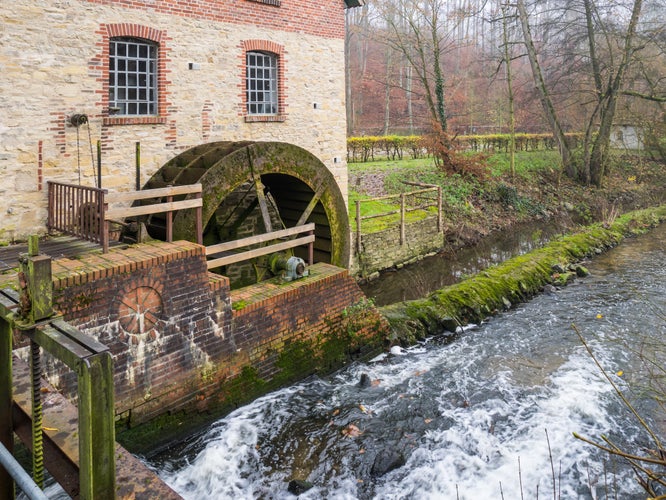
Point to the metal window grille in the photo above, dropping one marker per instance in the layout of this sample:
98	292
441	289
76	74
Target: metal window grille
133	77
262	89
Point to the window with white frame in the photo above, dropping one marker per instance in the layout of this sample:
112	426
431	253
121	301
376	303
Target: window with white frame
262	83
132	77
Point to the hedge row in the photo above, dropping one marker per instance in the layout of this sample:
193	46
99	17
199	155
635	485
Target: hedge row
395	147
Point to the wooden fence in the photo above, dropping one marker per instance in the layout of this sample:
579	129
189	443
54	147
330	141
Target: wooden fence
84	211
232	258
403	210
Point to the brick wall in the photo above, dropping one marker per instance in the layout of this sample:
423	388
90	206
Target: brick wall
181	339
54	63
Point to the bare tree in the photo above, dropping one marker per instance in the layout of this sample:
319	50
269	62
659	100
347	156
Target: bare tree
356	36
416	32
597	42
543	90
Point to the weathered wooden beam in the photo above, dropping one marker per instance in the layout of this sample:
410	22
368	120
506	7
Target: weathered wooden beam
6	423
313	203
258	252
116	197
118	213
260	238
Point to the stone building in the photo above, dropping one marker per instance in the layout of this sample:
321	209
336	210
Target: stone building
169	75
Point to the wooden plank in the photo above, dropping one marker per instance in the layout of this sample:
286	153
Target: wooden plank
145	194
313	203
261	238
117	213
258	252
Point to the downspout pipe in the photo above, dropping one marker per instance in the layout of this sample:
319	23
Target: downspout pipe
21	477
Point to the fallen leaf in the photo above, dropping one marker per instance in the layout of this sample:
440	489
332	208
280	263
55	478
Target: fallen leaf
427	420
49	429
351	431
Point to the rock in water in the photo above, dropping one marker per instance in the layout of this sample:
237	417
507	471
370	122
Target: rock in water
364	381
386	461
298	486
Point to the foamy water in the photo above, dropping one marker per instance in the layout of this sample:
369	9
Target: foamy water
489	415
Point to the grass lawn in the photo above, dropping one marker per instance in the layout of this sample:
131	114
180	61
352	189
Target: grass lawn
458	193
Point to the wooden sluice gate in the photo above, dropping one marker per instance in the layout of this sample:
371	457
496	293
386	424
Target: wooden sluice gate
76	444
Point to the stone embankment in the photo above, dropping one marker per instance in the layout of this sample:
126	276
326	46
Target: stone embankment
515	280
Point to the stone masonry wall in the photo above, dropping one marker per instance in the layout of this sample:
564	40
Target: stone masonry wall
382	250
54	63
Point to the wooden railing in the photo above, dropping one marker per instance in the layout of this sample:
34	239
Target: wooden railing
232	258
404	208
84	211
168	207
76	210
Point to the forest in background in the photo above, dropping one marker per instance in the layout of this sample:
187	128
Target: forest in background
490	66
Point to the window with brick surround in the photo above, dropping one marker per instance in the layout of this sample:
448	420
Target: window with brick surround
262	83
132	77
140	107
264	77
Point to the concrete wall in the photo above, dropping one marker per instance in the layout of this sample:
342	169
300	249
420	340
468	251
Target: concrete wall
54	63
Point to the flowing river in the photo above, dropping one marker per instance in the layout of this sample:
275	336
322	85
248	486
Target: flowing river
487	414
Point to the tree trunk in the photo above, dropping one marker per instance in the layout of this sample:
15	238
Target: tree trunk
509	84
544	95
387	90
608	101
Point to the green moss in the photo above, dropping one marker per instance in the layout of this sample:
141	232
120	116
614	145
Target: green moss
513	281
239	304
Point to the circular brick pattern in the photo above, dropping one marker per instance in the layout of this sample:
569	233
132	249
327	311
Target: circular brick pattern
139	311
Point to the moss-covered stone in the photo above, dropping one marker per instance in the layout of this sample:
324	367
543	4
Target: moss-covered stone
515	280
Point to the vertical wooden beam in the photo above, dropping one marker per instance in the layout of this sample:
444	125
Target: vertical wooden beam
104	224
137	159
6	424
358	226
199	220
99	164
96	428
440	227
311	249
169	221
402	218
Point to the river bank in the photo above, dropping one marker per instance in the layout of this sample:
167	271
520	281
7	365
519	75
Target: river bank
513	281
477	209
489	415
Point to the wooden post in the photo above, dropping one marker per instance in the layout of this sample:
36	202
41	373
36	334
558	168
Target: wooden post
169	221
358	226
137	160
199	221
99	164
311	249
6	423
103	222
96	428
402	218
439	210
